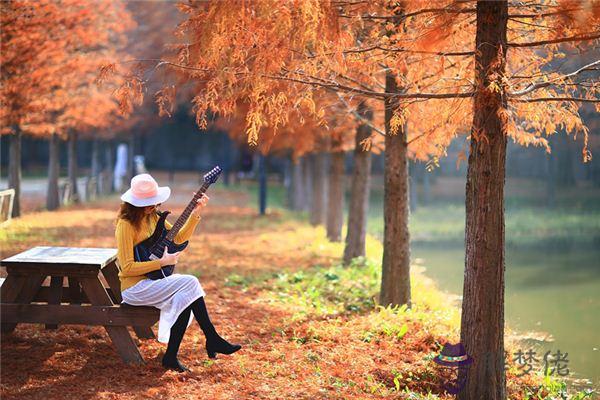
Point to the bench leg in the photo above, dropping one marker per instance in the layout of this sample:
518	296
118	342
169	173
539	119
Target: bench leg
8	293
144	332
20	289
74	291
111	274
56	288
119	335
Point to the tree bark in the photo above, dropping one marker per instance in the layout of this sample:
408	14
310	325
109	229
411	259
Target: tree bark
297	189
131	152
318	214
14	169
413	202
482	322
307	173
359	191
562	148
52	194
262	184
95	170
395	277
72	166
335	203
426	186
550	180
109	150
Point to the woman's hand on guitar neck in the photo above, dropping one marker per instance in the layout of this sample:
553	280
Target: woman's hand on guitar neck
169	258
201	203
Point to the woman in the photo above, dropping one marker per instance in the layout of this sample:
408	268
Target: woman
177	296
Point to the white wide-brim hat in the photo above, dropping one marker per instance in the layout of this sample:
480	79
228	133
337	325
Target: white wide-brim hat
144	191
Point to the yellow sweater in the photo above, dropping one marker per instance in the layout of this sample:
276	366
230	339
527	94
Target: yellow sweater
127	236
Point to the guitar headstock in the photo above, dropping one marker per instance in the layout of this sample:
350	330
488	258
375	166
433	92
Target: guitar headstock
212	176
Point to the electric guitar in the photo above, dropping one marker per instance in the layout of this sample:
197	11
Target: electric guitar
153	247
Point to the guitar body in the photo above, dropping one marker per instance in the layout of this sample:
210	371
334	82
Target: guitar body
154	247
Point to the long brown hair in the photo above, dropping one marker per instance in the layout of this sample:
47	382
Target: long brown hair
132	213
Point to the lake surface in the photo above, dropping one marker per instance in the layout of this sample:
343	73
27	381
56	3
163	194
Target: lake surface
547	290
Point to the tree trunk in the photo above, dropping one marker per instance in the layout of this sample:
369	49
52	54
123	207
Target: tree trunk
72	166
131	152
359	191
335	204
395	277
95	170
109	150
14	169
562	150
297	188
426	186
52	194
482	322
318	211
413	202
262	184
307	173
550	180
287	180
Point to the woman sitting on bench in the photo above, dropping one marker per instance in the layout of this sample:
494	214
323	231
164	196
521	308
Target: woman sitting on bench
177	295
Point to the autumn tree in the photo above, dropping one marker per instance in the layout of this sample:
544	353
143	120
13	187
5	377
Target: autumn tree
230	59
419	61
51	53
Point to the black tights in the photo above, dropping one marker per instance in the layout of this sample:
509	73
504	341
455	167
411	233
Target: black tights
198	307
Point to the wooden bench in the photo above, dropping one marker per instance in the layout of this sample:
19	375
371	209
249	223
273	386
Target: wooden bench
85	300
7	199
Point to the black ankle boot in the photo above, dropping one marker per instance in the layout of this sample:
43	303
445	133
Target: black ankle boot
174	364
216	344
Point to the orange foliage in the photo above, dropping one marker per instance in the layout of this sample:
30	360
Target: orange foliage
270	57
51	51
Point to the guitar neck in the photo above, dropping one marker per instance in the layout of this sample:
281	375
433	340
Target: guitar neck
186	213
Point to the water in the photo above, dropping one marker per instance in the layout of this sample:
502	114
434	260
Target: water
547	290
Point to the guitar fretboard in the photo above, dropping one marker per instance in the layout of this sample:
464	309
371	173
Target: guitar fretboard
186	213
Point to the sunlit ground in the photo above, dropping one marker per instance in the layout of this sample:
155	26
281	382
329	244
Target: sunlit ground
310	327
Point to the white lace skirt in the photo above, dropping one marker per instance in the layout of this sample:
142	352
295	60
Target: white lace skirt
171	295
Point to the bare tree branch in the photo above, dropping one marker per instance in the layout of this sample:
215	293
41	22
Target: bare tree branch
358	116
559	40
549	14
399	50
372	94
539	99
543	84
412	14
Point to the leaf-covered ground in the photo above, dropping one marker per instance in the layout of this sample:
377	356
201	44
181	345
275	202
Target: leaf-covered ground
310	329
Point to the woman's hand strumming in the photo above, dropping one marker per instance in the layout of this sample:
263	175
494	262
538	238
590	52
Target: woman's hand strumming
169	258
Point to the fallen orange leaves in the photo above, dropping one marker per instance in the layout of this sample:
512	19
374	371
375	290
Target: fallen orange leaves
315	357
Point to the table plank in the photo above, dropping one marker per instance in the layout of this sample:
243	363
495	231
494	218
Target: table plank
79	314
93	256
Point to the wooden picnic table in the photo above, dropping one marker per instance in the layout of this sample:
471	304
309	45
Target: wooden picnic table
86	300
